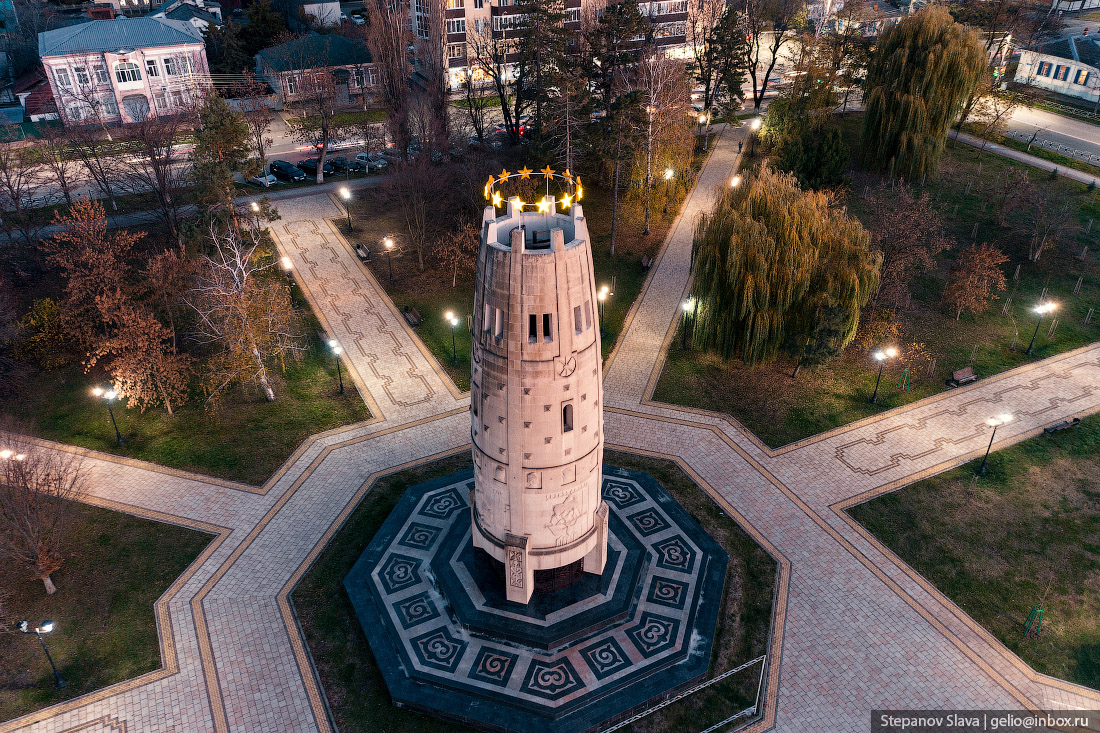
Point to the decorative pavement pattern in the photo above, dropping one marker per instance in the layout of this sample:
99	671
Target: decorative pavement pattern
447	640
854	628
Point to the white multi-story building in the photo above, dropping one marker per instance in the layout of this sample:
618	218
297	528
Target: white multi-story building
112	71
465	18
1069	66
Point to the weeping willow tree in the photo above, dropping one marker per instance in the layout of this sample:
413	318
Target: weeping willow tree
771	263
919	78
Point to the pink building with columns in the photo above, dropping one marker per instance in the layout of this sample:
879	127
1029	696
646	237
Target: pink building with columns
121	70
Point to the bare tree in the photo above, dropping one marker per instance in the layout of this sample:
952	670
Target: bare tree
770	25
57	161
477	105
702	27
243	312
251	95
432	62
496	58
37	489
21	190
318	96
156	165
420	192
906	228
458	250
100	159
389	36
664	88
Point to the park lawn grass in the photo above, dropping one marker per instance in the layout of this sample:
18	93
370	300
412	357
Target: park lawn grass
354	686
781	410
246	439
116	566
1027	532
435	291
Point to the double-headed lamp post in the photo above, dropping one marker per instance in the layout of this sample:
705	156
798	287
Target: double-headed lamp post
345	193
453	320
601	297
993	422
337	350
669	173
688	306
41	631
388	244
881	356
1042	309
108	396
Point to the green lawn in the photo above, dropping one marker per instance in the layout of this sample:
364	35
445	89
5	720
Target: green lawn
354	686
1025	533
116	567
246	439
781	410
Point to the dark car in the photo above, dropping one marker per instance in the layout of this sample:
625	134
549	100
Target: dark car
310	166
343	164
287	171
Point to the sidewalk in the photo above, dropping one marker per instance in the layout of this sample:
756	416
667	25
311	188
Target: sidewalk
1026	159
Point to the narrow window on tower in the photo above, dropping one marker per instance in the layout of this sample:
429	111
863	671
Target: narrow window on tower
498	326
587	315
567	417
547	330
487	320
532	328
578	324
474	400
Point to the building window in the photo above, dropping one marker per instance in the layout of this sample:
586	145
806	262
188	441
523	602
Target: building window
110	107
567	417
487	319
454	4
77	112
456	25
474	400
587	315
81	74
572	15
1060	73
421	26
151	70
178	99
160	101
578	324
498	323
1044	68
547	327
127	72
456	50
292	85
532	328
62	76
101	76
479	4
171	67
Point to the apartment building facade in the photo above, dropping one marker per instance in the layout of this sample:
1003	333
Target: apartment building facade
122	70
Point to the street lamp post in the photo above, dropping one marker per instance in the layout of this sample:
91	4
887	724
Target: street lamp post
687	307
453	320
41	631
735	181
1042	309
601	298
882	355
388	243
754	126
345	193
704	119
994	422
108	395
668	181
337	350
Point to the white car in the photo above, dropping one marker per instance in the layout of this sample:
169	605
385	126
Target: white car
373	161
358	20
266	181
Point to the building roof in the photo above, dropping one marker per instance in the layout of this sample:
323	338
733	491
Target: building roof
186	12
315	50
117	34
1083	49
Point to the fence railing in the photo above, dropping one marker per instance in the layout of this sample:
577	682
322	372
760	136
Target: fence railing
1054	146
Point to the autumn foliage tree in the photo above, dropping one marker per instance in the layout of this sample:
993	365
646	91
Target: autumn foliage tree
244	314
458	250
975	279
37	491
772	262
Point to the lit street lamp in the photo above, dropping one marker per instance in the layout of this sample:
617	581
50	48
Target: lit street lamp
41	631
255	208
668	181
602	297
882	355
337	350
109	395
345	193
688	306
704	119
755	127
10	454
453	320
994	422
1042	309
735	181
388	242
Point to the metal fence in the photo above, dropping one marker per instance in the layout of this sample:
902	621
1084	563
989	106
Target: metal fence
1056	147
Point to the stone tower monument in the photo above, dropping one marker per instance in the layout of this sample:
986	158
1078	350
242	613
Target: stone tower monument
537	391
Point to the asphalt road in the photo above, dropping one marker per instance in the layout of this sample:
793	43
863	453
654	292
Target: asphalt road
1059	130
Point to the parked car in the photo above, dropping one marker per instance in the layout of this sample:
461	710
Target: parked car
343	164
343	18
373	161
358	20
309	165
287	171
264	179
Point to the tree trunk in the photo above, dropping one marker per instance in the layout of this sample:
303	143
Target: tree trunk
648	170
50	587
797	367
269	393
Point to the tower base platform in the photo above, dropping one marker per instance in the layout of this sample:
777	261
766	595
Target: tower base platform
450	644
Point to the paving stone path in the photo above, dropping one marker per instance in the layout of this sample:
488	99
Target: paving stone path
855	628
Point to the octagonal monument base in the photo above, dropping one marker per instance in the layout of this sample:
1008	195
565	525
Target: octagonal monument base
448	642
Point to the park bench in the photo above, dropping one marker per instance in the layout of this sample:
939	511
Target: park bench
647	262
362	252
962	376
412	315
1052	429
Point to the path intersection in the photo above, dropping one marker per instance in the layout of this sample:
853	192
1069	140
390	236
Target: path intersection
855	629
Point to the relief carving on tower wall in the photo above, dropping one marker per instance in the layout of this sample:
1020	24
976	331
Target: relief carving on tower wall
515	567
564	519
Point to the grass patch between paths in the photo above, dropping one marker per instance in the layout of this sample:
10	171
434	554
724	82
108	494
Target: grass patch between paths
116	567
1027	532
354	686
